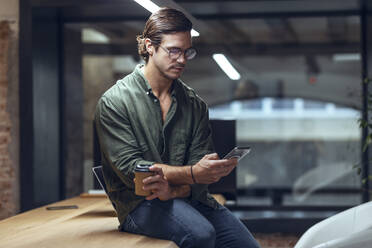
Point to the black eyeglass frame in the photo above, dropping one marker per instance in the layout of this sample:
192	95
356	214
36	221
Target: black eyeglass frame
174	54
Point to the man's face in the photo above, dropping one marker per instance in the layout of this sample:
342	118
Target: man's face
168	67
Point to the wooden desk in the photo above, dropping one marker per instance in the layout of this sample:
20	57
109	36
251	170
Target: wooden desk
93	224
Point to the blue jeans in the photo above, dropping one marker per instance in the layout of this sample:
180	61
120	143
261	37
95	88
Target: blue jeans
189	224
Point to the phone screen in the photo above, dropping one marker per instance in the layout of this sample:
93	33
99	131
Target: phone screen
238	152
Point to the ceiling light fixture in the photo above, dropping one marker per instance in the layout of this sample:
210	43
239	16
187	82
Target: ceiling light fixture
346	57
152	7
147	4
226	66
194	33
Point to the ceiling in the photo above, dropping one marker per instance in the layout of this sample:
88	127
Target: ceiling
282	48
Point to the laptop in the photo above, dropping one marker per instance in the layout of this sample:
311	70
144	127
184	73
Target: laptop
97	171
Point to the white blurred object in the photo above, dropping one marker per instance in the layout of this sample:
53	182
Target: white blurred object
361	239
351	228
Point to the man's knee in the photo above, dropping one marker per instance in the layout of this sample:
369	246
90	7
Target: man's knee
205	237
199	237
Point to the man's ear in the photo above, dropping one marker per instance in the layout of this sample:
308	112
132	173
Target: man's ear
149	46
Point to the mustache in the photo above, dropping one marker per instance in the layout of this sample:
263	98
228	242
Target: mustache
178	65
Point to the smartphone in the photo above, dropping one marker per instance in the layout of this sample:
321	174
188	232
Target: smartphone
62	207
238	152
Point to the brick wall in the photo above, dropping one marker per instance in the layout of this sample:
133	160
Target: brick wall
7	174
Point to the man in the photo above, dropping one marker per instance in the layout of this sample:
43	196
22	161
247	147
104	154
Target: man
151	117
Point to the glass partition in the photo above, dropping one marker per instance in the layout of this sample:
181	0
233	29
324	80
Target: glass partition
304	152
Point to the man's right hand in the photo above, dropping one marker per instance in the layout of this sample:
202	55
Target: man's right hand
211	168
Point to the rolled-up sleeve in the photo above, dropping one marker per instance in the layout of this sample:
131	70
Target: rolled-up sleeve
117	141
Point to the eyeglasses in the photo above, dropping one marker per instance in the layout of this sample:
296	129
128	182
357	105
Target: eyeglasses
175	52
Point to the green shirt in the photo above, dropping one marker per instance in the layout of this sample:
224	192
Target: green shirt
130	129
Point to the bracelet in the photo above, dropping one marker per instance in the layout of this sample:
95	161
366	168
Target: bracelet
192	175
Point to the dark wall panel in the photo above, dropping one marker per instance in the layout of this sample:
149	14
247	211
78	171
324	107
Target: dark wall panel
46	112
73	97
224	139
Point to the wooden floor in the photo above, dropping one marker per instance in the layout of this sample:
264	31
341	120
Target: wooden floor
93	224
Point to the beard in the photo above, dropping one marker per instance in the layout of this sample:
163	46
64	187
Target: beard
172	72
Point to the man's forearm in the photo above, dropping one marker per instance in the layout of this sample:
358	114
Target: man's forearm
177	175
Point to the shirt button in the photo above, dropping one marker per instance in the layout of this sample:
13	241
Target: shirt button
155	100
147	93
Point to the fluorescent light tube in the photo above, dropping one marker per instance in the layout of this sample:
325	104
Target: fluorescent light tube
226	66
346	57
152	7
147	4
194	33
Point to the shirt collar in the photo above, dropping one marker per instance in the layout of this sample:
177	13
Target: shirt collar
144	84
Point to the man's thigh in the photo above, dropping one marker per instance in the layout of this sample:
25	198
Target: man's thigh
230	231
174	220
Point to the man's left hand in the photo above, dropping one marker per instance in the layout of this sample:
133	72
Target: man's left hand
158	185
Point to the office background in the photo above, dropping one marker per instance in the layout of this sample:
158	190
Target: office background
296	102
